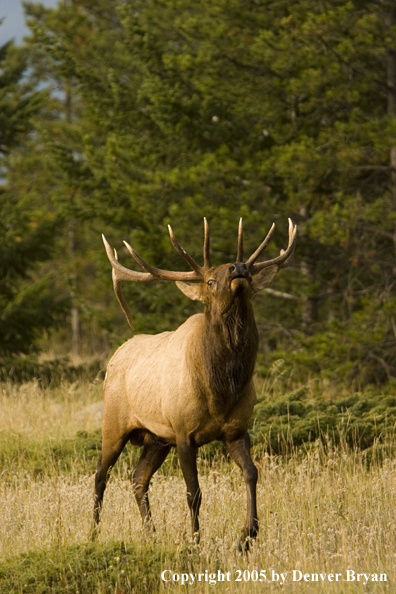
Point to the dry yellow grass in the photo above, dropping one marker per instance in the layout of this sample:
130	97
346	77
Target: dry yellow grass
39	413
319	512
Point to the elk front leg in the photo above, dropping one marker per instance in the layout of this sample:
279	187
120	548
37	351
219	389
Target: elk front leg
239	450
110	454
188	462
152	457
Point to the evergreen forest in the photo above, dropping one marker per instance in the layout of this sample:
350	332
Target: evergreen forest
123	117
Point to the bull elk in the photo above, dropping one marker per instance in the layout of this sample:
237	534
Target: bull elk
188	387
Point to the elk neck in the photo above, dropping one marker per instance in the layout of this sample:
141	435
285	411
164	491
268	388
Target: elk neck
230	344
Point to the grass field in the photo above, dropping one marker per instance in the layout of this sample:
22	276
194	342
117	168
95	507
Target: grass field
323	509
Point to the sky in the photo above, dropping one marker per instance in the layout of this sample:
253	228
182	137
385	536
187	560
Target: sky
13	26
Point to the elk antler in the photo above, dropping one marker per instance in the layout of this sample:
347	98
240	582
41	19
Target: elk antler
120	273
240	242
198	269
207	260
158	274
280	260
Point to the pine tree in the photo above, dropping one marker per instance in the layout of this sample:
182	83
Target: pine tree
28	302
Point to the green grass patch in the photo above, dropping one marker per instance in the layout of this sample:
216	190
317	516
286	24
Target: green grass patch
85	569
76	455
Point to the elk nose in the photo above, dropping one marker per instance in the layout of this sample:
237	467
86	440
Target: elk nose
238	269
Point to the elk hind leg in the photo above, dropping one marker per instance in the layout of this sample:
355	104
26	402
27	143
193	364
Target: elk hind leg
152	457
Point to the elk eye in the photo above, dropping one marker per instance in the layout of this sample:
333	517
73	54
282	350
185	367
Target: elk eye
211	283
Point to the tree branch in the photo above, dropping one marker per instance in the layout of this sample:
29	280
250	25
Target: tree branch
281	294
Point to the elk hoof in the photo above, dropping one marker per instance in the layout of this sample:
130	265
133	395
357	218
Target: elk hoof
194	548
95	532
148	526
244	546
248	536
196	538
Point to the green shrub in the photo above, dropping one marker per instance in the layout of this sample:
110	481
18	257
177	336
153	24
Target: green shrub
298	418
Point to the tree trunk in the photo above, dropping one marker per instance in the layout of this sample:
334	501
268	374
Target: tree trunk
75	316
74	312
309	303
391	108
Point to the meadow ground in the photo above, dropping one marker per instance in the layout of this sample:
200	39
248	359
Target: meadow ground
323	510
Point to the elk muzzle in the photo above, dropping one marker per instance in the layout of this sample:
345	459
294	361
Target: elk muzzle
239	275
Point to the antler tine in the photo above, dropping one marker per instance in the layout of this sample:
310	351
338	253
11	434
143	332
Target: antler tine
119	294
261	247
160	274
119	274
184	254
240	242
291	245
121	299
207	259
284	256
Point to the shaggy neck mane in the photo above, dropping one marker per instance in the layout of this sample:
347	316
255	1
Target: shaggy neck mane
230	350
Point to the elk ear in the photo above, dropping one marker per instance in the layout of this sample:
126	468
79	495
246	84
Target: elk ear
193	291
264	278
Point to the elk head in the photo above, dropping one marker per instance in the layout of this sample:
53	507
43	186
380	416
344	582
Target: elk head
217	287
